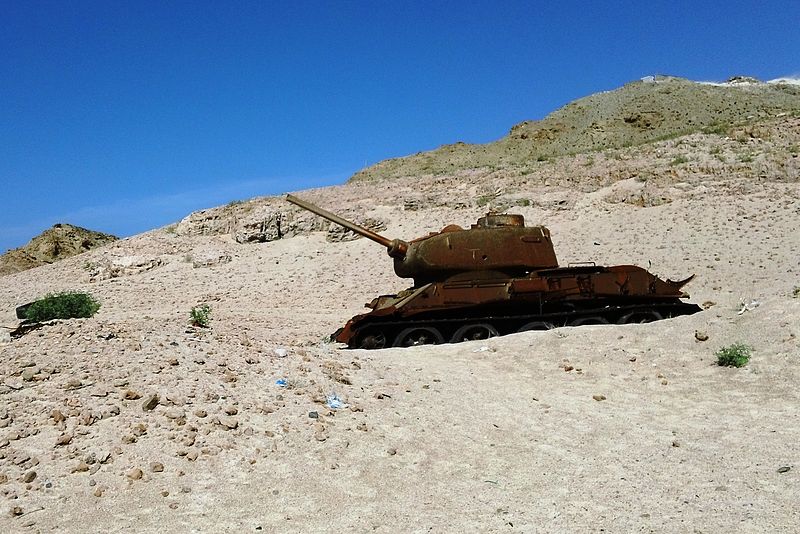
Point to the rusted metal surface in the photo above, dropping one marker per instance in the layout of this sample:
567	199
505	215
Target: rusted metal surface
498	277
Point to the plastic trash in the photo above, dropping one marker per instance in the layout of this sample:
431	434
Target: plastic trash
280	352
334	402
281	382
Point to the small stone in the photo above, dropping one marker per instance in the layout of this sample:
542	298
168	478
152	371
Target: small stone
392	451
568	368
99	490
28	374
134	474
82	467
313	415
599	397
200	413
173	506
164	493
119	383
16	511
231	410
129	438
139	429
192	455
676	444
151	402
63	439
3	478
173	361
57	416
784	469
700	336
28	477
130	394
175	413
228	422
156	467
73	383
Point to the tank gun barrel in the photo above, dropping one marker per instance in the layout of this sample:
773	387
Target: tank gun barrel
396	248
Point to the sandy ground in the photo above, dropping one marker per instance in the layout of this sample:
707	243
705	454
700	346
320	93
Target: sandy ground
494	436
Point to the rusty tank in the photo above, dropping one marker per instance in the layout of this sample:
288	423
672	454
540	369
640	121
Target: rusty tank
495	278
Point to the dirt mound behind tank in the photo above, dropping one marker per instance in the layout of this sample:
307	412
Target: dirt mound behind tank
56	243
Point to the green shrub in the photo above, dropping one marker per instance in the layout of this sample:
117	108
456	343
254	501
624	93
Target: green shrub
65	305
679	160
737	355
200	316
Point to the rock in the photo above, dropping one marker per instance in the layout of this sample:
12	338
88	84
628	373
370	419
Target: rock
173	361
119	382
28	477
700	336
130	394
784	469
28	374
599	397
313	415
73	383
139	429
82	467
231	410
16	511
200	413
151	402
192	455
63	439
99	490
228	422
134	474
156	467
174	413
3	478
392	451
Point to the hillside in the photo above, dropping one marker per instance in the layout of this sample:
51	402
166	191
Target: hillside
134	420
54	244
640	112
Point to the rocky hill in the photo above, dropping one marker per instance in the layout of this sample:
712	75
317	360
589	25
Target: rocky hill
54	244
654	108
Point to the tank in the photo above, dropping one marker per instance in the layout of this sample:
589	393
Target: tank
495	278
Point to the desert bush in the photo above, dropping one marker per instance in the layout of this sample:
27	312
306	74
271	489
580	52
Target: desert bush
737	355
200	316
65	305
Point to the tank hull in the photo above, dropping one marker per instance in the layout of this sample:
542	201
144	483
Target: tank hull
469	307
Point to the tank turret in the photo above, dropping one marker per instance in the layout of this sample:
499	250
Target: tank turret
497	242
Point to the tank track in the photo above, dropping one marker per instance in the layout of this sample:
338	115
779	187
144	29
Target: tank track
382	332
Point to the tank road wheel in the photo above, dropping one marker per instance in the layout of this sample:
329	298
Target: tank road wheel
371	338
594	319
419	335
536	325
474	331
642	316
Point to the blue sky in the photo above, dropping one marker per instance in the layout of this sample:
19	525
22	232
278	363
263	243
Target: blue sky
126	116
